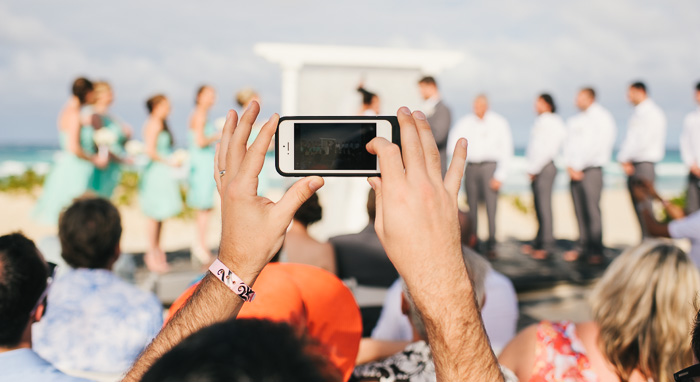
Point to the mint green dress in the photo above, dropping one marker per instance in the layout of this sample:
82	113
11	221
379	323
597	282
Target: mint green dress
202	185
69	178
107	179
159	192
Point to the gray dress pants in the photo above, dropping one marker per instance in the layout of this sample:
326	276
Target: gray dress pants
642	171
542	192
586	195
692	200
477	181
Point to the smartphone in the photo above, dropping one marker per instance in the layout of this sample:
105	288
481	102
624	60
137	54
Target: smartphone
331	146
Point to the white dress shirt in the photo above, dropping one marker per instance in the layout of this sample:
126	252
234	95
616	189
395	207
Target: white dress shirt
690	139
645	140
489	141
590	138
546	140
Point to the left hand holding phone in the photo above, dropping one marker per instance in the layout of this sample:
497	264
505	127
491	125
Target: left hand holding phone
253	227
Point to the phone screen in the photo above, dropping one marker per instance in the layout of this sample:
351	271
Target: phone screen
334	146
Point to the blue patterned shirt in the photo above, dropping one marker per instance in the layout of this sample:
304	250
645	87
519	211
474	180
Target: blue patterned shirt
96	322
26	366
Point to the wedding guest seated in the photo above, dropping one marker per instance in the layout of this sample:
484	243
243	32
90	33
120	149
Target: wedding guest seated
361	257
254	350
95	322
312	301
23	285
300	247
415	361
642	308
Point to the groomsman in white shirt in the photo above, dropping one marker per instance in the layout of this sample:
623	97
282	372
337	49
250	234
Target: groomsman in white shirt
490	150
690	152
588	148
546	140
644	144
439	116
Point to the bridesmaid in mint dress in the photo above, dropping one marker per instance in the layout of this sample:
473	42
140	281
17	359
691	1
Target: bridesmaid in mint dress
159	192
202	186
72	174
107	179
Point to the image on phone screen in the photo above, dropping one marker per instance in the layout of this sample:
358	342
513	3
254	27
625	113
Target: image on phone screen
334	146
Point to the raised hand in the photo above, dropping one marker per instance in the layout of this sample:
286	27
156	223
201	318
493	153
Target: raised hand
253	227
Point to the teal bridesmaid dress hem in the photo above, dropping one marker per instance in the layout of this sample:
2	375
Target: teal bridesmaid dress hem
200	194
159	191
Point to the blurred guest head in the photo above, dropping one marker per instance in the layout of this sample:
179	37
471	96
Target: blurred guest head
469	238
310	212
253	350
83	90
104	96
545	104
477	267
158	106
644	307
637	93
245	96
370	100
585	98
481	105
89	231
23	275
371	206
428	87
206	96
697	92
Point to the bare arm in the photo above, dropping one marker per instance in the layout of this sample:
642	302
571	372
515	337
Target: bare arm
197	123
519	354
653	226
374	350
150	137
245	247
417	223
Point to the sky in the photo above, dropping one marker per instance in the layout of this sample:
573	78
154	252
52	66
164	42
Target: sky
513	51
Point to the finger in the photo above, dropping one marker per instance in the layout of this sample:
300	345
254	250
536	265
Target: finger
237	147
453	177
376	183
300	192
227	132
389	154
217	176
255	157
430	149
410	143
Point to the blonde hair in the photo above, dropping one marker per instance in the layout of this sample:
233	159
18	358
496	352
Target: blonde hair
101	87
644	307
244	96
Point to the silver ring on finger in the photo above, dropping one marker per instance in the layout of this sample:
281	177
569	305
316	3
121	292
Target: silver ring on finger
221	173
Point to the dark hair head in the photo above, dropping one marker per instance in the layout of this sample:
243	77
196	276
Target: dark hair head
695	341
590	92
81	88
310	212
23	276
243	350
199	92
371	205
89	231
639	86
367	96
151	104
428	80
697	87
549	101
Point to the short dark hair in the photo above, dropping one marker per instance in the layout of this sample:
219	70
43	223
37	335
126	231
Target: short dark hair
251	350
81	88
89	231
428	80
590	91
367	96
639	85
549	101
310	212
697	87
23	274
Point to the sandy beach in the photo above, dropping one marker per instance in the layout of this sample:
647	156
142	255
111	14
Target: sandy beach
619	222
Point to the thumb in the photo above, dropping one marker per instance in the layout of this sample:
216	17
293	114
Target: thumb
300	192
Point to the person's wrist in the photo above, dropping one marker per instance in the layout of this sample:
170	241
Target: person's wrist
243	265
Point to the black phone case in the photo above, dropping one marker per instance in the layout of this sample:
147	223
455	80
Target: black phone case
395	138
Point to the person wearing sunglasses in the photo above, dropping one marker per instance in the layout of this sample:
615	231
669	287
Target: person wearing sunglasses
24	283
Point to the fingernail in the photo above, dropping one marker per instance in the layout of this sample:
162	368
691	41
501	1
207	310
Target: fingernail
463	142
314	185
369	180
419	115
404	110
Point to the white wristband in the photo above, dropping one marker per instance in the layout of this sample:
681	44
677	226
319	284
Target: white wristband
231	280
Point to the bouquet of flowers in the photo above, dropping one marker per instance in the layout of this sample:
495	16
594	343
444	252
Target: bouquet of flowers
104	138
179	157
219	123
134	147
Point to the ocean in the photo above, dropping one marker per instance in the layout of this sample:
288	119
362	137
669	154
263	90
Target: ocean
671	174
